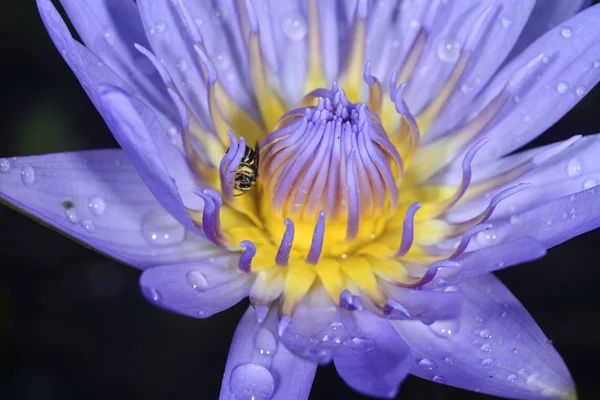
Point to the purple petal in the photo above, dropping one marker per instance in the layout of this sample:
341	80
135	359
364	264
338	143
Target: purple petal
569	68
545	16
260	367
427	305
140	134
452	28
109	62
199	289
109	28
375	360
555	222
573	169
490	259
495	348
98	198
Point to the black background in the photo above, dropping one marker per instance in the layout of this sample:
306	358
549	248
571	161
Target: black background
74	325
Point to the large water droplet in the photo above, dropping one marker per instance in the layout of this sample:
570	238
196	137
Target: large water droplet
294	27
71	215
445	328
566	32
4	165
96	205
427	364
487	361
197	280
485	333
27	176
439	379
448	51
251	382
574	167
160	229
511	378
562	87
88	225
265	342
580	91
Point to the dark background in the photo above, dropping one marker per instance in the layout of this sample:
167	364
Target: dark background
74	325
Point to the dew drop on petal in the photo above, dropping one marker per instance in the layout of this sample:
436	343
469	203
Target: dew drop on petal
197	280
487	237
151	294
580	91
449	360
427	364
589	183
294	27
448	51
4	165
596	64
515	219
511	378
96	205
88	225
445	328
566	32
505	22
487	361
265	342
485	333
439	379
159	228
486	347
27	176
562	87
251	382
71	215
574	167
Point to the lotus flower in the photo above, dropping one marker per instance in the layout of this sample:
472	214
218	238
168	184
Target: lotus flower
346	165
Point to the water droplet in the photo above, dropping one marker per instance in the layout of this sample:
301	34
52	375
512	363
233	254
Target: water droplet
580	91
477	318
265	342
4	165
487	237
182	65
515	219
152	293
445	328
88	225
440	283
573	197
596	64
251	382
504	314
522	371
108	36
96	205
449	360
574	167
486	347
526	118
197	280
562	87
485	333
448	51
505	22
439	379
550	222
160	229
487	361
71	215
427	364
294	27
511	378
566	32
27	176
589	183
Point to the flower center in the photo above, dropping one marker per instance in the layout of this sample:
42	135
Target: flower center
334	157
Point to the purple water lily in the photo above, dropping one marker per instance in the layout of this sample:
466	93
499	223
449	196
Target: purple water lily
345	165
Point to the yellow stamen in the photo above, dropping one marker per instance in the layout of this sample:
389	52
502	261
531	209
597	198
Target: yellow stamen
316	76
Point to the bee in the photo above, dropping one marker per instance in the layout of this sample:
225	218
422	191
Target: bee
246	173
